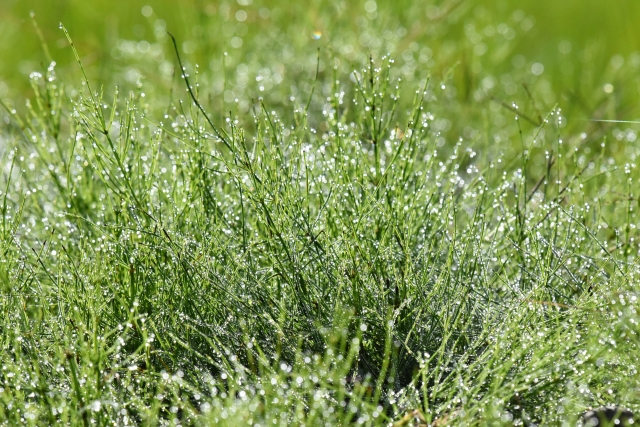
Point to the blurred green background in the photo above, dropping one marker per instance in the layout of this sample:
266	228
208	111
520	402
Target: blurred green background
561	35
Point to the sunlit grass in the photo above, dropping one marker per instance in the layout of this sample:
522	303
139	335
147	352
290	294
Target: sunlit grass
325	238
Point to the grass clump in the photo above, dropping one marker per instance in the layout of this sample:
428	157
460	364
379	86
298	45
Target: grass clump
372	251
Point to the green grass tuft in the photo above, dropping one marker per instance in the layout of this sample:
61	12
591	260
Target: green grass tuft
372	239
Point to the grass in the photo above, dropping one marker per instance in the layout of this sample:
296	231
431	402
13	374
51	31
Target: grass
294	236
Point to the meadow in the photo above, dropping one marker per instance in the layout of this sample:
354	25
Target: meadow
324	213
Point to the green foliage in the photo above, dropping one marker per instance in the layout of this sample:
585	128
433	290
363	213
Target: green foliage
437	237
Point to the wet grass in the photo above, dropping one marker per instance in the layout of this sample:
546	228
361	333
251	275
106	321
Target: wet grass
293	236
